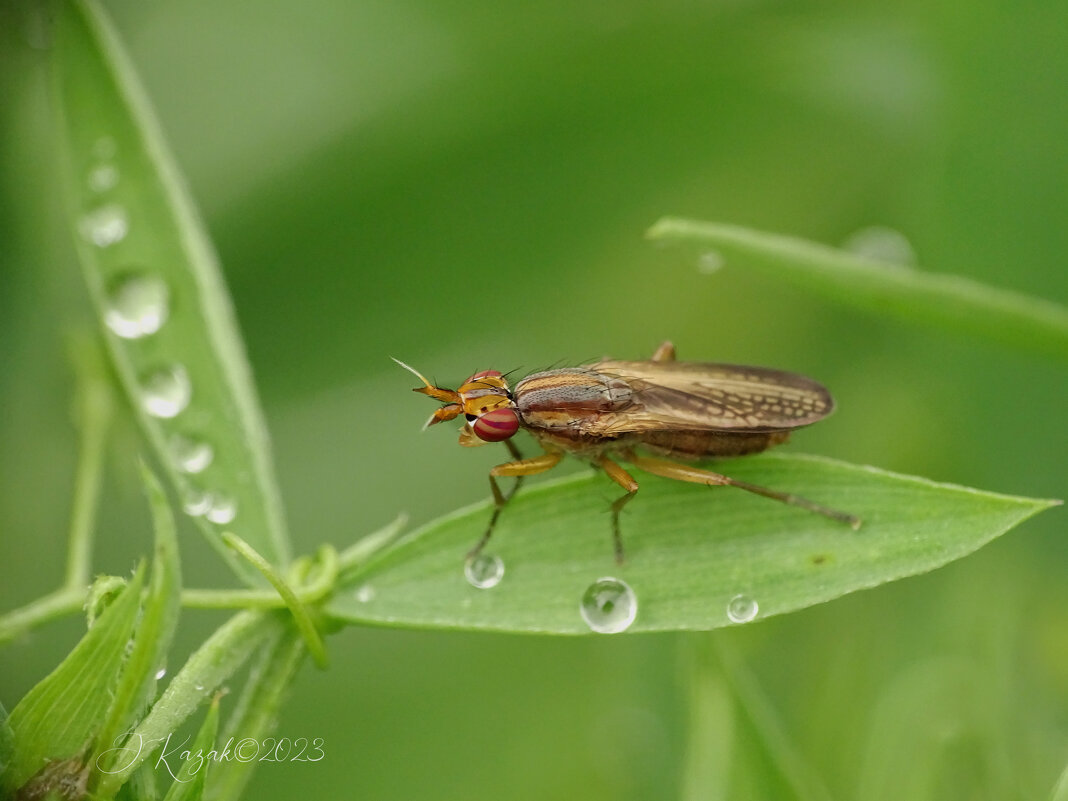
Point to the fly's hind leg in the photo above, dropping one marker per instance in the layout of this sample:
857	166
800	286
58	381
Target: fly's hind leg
696	475
627	482
518	469
665	353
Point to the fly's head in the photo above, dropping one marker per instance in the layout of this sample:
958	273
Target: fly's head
484	400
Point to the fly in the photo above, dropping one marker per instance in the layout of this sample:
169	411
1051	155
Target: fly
605	412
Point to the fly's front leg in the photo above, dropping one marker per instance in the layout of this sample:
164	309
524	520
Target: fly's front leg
627	482
518	469
696	475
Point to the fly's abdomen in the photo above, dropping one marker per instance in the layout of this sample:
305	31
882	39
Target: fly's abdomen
698	444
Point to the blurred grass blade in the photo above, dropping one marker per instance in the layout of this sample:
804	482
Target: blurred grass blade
155	282
690	549
804	783
706	770
948	301
155	629
190	774
256	713
59	717
931	729
1060	791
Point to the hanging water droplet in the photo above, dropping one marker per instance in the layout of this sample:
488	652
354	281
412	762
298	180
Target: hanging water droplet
609	606
484	571
102	178
105	226
166	392
223	509
197	503
105	148
191	455
138	305
742	609
879	243
365	593
711	261
161	673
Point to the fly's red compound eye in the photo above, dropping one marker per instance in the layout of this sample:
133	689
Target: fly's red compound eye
496	425
483	374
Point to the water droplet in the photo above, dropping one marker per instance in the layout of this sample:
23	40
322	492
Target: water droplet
102	178
191	455
198	687
166	392
484	571
742	609
711	261
609	606
223	509
879	243
105	148
105	226
365	593
138	305
161	673
197	503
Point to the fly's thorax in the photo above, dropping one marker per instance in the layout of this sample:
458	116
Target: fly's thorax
561	398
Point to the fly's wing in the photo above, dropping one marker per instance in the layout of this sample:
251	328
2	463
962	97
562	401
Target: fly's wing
700	396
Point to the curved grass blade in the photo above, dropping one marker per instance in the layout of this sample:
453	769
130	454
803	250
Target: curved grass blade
690	550
948	301
156	284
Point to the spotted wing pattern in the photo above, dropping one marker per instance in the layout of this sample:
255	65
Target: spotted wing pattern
702	396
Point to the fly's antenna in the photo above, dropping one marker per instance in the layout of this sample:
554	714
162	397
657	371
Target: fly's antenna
413	371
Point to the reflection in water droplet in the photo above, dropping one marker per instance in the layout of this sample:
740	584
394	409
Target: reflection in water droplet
879	243
166	392
484	571
161	673
365	593
609	606
742	609
223	509
137	305
190	455
197	503
104	226
711	261
102	178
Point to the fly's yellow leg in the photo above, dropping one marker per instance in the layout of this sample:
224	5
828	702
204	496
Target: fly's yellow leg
682	472
665	353
518	469
627	482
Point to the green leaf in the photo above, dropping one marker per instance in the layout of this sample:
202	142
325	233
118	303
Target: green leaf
59	717
189	782
690	549
149	265
155	629
948	301
217	659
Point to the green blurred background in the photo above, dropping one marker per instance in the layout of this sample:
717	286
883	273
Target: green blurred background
465	186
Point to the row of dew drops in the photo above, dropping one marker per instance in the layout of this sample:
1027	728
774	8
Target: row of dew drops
608	606
138	305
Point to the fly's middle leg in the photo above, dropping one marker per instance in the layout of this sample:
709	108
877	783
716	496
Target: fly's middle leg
627	482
